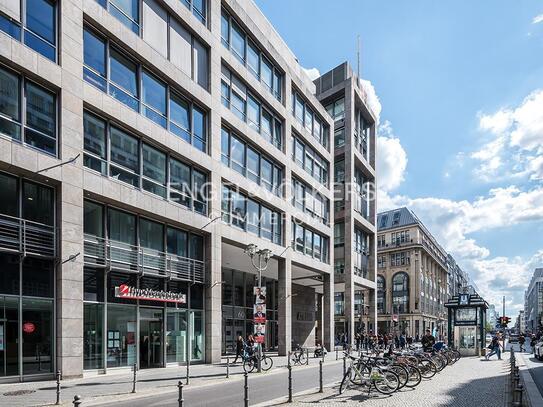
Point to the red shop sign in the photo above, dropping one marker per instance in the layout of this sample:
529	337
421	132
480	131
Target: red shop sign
29	327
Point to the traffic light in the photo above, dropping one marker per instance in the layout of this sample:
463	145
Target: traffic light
504	321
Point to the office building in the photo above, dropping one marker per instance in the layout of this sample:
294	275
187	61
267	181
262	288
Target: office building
533	302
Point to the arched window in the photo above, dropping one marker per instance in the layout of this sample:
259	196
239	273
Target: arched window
381	297
400	292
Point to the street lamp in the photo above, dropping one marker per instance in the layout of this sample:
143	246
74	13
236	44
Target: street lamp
259	260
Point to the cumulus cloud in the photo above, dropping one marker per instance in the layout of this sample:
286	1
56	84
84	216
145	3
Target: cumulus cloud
373	101
313	73
516	144
537	19
391	159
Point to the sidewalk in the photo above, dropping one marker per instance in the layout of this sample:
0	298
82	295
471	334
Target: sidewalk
531	371
119	382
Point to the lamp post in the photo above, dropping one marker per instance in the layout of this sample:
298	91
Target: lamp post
259	260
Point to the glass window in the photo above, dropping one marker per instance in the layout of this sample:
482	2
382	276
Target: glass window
93	219
151	235
253	59
127	11
225	147
38	203
238	103
266	174
309	242
237	154
176	335
37	345
238	41
253	164
267	129
267	73
10	26
93	284
121	324
199	128
38	277
10	105
277	84
94	57
41	118
308	122
9	279
201	64
177	241
155	23
94	138
93	328
266	223
299	236
121	226
253	216
253	113
200	191
154	168
124	157
124	78
9	204
299	108
41	27
225	29
154	99
180	117
180	183
238	210
317	246
199	9
196	252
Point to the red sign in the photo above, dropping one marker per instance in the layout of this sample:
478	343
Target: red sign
29	327
132	293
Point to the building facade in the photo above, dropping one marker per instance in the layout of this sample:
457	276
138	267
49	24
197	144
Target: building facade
457	279
143	147
342	94
533	302
412	278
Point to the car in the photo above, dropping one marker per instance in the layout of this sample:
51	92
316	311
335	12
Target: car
538	350
513	338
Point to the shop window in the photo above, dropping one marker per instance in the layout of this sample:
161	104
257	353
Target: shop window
10	331
93	284
196	325
121	335
176	336
9	274
37	337
197	296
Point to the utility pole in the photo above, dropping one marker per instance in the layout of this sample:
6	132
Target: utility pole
503	337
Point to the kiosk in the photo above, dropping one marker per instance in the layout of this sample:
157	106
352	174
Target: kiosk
466	322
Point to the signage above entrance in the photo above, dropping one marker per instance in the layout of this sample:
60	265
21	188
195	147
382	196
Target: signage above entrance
133	293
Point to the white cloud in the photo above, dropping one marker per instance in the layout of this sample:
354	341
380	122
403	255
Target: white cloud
517	145
537	19
391	159
313	73
373	101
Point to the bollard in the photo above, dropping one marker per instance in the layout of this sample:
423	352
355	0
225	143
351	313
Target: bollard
289	353
320	377
307	356
289	383
336	353
246	389
180	399
77	401
344	365
227	367
134	380
58	388
188	370
517	397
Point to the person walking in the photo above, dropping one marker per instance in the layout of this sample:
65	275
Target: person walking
533	341
521	340
240	344
428	341
402	341
495	348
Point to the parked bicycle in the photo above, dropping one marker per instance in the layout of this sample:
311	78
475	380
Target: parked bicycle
298	356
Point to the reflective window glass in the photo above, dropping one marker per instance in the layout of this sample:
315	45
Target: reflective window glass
41	118
10	104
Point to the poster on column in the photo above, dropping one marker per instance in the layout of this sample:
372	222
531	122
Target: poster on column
260	295
260	333
259	313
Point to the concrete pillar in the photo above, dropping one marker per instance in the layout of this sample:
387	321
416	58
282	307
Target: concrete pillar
328	311
284	323
213	297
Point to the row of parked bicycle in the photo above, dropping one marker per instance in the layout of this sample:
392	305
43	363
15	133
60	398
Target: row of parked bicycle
393	370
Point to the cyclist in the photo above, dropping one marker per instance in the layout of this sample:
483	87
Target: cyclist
428	341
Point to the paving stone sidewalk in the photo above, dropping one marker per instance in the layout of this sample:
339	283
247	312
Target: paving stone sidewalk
117	383
471	382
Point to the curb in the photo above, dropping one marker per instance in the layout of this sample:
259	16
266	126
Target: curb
533	396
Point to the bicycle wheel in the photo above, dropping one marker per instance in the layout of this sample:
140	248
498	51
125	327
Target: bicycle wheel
266	363
414	377
438	361
302	358
345	381
293	359
427	368
402	372
388	383
249	364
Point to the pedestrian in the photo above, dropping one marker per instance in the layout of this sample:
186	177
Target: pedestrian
533	341
240	344
402	341
428	341
494	348
521	340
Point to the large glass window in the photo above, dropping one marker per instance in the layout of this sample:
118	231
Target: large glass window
400	292
93	219
154	170
381	294
180	117
154	99
124	155
309	243
38	203
10	105
127	12
9	204
124	80
199	129
41	120
37	342
41	27
93	346
310	161
121	335
121	226
94	139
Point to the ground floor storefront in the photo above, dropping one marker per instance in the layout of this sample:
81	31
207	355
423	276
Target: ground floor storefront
414	325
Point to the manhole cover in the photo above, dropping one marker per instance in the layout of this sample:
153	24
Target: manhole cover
19	392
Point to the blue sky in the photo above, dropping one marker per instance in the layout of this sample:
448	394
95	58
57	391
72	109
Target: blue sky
461	88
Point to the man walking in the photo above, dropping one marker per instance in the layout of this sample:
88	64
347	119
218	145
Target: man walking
240	344
494	348
428	341
521	340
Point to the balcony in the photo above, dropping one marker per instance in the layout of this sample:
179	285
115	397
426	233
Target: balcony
120	256
26	237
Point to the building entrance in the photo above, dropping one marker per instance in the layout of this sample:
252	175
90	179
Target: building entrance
151	329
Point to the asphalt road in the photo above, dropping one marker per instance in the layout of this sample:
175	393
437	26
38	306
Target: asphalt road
264	387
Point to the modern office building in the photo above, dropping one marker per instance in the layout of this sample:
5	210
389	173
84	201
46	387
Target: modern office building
411	276
457	279
346	100
143	146
533	302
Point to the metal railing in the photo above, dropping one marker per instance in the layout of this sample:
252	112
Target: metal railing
125	257
26	237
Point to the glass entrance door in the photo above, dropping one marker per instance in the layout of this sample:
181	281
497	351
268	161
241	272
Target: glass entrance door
9	331
151	321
